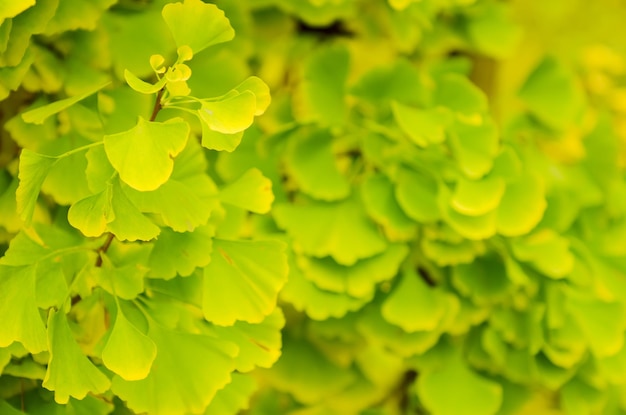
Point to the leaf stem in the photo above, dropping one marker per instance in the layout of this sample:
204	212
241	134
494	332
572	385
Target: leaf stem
105	247
157	104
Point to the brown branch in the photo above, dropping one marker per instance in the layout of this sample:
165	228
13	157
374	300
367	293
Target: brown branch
157	105
105	247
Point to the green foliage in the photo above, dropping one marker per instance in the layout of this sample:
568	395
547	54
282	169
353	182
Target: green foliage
311	207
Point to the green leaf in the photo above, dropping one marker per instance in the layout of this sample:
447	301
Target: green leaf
143	155
177	253
128	352
484	280
197	24
259	344
70	372
417	195
473	394
339	229
33	171
471	227
323	87
379	200
306	373
11	8
605	339
474	146
309	159
260	90
457	93
121	280
39	115
413	305
214	140
142	86
475	198
358	280
492	32
187	199
424	127
522	206
92	214
234	397
77	14
252	191
17	299
231	115
546	251
242	281
186	374
317	303
129	224
561	104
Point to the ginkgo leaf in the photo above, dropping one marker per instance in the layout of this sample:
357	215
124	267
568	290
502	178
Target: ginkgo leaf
187	199
546	251
260	90
259	344
339	229
252	191
417	195
70	372
309	159
242	281
13	8
122	280
128	223
197	24
424	127
475	198
143	155
522	206
128	352
358	280
234	397
214	140
413	305
17	299
318	304
142	86
474	146
33	171
306	373
92	214
177	253
474	395
380	202
187	372
230	115
39	115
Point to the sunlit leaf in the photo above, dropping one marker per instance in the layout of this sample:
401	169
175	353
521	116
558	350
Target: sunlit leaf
424	127
522	206
252	191
70	372
186	374
474	395
17	299
309	159
143	155
379	200
546	251
259	344
129	223
39	115
358	280
242	280
414	306
340	229
417	195
233	397
260	90
197	24
128	351
476	198
92	214
33	171
142	86
229	115
177	253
